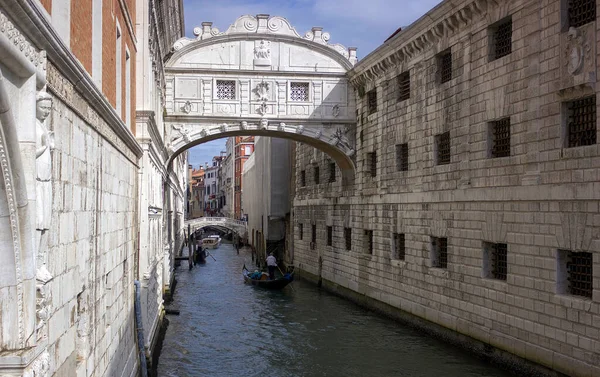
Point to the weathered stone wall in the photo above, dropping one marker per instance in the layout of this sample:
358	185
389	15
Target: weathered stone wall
539	200
93	241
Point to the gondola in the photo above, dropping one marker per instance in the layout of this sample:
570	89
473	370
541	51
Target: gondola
264	281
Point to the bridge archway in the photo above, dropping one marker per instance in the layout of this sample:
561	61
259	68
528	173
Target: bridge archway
236	226
262	78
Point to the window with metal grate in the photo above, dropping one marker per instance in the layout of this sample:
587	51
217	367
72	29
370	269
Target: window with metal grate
580	273
332	172
300	231
581	12
348	238
499	260
399	246
372	101
443	148
225	89
369	239
299	91
402	157
317	175
303	178
501	39
581	122
439	248
372	163
403	81
500	138
329	236
314	233
445	61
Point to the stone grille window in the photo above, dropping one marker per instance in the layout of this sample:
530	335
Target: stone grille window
299	91
399	246
314	234
446	66
497	256
500	138
317	174
369	239
581	12
348	238
402	157
443	148
439	252
404	86
372	101
329	236
501	39
579	273
300	231
332	172
581	122
372	163
225	89
303	178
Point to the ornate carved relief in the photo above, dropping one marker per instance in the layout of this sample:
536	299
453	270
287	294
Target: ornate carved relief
38	58
262	53
184	132
187	107
578	57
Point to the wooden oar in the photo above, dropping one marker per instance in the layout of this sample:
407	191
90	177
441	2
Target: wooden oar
282	274
207	252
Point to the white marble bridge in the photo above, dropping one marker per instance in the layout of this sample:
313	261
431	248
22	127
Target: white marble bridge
240	227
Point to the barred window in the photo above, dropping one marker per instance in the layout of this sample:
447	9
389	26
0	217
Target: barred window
495	259
580	273
300	231
399	246
372	101
225	89
329	236
348	238
404	86
439	252
442	142
372	163
402	157
581	12
314	233
369	239
500	138
299	91
317	175
445	62
501	42
332	172
581	122
303	178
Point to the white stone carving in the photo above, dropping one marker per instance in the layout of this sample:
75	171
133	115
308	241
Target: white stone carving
281	127
300	129
262	91
223	127
187	107
335	111
184	133
262	109
577	46
43	165
203	133
264	124
319	133
262	53
38	58
244	125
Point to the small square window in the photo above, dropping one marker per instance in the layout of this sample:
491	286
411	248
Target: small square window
442	142
439	252
501	39
317	175
581	122
399	250
303	178
225	89
372	163
332	172
348	238
445	64
499	136
575	273
403	86
402	157
372	101
495	260
329	236
299	91
300	231
369	240
581	12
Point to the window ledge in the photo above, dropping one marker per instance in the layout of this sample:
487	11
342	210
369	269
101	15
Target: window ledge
398	263
438	271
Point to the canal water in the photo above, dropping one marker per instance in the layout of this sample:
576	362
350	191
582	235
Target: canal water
227	328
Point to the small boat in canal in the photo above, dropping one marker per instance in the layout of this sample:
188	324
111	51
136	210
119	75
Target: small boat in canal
261	279
211	242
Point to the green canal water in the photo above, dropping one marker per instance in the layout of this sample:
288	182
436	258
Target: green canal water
227	328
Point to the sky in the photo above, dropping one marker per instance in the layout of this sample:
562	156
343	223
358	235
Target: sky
364	24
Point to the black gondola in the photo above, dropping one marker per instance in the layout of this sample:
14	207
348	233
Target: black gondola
263	282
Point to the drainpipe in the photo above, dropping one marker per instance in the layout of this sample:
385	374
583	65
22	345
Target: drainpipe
140	329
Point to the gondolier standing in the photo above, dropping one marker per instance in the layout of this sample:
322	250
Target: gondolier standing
271	264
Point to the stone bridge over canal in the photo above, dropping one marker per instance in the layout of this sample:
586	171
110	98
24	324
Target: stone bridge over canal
240	227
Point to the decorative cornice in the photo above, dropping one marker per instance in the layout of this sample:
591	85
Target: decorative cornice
41	31
443	21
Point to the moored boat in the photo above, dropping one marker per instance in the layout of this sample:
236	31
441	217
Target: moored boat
211	242
261	279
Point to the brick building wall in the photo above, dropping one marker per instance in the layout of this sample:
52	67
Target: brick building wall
497	203
81	32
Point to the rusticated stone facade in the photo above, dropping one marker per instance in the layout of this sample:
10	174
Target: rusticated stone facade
476	196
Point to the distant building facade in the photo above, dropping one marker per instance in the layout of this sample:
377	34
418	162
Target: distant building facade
244	147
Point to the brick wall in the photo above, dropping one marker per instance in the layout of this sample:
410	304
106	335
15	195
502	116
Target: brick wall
47	4
538	200
81	32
